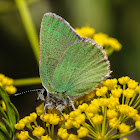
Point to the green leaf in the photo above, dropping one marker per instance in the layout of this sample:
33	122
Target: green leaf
16	112
3	113
12	113
3	132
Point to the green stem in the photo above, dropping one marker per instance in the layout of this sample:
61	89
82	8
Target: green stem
31	138
104	121
89	119
131	101
137	102
52	130
27	81
8	6
45	127
49	130
91	137
138	107
109	51
35	123
121	135
112	128
29	26
91	131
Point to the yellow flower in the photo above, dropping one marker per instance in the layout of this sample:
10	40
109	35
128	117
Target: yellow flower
68	124
132	84
113	102
132	112
97	119
90	114
25	120
106	41
99	137
116	92
83	107
113	123
54	119
110	83
82	132
123	128
39	109
75	113
32	117
92	108
111	113
11	89
62	133
45	118
62	120
124	80
45	137
80	118
19	126
129	93
136	117
137	124
7	84
124	139
1	76
114	43
104	102
75	124
124	109
3	105
23	135
101	91
95	102
100	38
38	131
86	31
7	81
138	89
89	96
72	137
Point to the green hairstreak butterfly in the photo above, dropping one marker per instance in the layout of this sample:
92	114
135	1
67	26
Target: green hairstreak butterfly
70	65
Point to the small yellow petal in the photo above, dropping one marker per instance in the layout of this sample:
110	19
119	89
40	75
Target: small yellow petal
82	132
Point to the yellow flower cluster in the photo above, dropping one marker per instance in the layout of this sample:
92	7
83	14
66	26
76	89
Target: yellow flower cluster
7	84
108	43
50	119
111	105
86	31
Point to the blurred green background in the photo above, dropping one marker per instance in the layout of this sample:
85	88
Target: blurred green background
117	18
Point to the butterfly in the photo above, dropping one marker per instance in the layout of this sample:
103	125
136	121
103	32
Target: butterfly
70	65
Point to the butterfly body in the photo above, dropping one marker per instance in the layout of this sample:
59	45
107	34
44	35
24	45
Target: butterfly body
70	65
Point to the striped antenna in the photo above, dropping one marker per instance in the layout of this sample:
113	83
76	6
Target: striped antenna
27	91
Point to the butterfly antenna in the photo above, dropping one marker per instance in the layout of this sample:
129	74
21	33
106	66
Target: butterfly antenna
27	91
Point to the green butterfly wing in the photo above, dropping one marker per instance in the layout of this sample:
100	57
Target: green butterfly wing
56	36
83	67
68	62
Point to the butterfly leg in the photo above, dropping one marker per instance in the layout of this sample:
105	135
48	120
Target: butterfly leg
61	107
71	102
45	109
49	105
